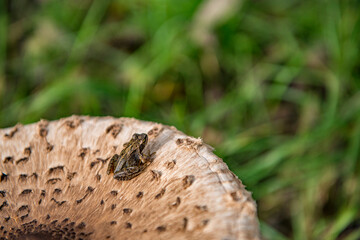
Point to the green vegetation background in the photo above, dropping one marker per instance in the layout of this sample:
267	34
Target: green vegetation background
272	85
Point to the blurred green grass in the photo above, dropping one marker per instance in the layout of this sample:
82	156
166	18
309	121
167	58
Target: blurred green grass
272	85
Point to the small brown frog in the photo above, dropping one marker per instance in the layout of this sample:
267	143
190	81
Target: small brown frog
131	161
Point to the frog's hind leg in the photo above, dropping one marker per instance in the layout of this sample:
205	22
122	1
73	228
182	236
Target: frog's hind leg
133	170
120	166
128	173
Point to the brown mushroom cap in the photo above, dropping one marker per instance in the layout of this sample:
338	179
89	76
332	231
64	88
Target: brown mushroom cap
54	185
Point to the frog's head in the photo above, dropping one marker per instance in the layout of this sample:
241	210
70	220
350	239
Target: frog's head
141	139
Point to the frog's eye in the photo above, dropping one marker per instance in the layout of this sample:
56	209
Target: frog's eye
134	136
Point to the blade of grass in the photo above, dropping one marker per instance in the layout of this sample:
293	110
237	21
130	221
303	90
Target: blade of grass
3	41
88	30
270	233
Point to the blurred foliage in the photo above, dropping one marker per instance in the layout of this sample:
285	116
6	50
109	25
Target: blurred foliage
272	85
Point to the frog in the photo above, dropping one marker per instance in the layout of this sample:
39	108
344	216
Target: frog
131	161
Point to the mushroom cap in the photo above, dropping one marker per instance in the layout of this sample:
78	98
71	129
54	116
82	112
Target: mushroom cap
54	185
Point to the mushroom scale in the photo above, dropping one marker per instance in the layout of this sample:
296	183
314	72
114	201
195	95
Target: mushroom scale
54	185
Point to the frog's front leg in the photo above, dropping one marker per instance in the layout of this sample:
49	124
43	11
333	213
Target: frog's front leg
112	164
145	158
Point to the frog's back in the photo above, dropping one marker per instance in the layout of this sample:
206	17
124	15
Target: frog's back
128	150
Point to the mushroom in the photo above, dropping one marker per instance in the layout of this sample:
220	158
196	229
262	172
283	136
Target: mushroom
54	185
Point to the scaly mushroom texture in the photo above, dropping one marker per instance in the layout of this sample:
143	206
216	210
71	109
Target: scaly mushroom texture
54	185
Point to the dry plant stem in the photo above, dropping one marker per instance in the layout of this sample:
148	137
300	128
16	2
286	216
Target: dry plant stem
54	184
